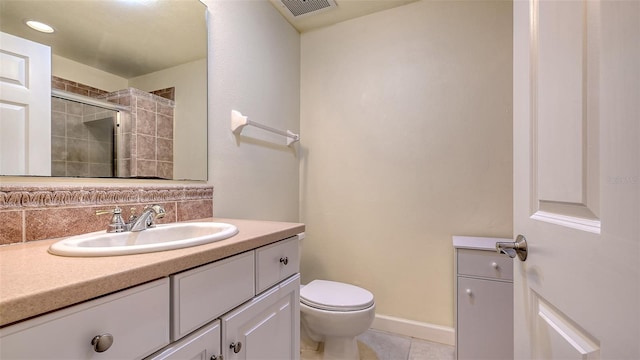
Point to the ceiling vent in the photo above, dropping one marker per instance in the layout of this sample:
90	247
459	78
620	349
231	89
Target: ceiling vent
300	8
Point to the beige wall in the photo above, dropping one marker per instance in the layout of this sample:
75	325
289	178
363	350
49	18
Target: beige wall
406	128
190	131
254	67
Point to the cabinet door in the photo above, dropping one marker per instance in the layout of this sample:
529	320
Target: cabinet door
485	313
203	344
267	327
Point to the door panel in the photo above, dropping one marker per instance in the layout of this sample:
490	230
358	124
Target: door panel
577	179
13	133
557	336
563	65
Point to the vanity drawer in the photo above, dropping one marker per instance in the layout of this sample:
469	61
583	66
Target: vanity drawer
276	262
204	293
486	264
137	319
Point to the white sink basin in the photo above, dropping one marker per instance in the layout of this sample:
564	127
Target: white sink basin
160	238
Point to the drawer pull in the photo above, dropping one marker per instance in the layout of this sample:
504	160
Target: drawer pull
494	265
213	357
469	292
236	347
284	260
102	343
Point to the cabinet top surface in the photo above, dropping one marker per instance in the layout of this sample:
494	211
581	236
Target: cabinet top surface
477	243
33	282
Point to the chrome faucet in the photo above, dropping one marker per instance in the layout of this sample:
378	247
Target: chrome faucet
136	223
147	218
116	224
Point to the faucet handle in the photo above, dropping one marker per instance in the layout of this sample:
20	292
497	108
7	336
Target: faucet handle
114	211
133	216
157	209
116	224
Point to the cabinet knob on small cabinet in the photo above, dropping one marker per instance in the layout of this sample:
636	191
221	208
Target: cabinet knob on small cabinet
494	265
213	357
469	292
284	260
102	343
236	347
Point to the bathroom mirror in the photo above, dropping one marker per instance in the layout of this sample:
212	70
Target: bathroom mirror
146	47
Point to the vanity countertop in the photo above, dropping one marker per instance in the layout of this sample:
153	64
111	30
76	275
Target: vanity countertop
476	243
34	282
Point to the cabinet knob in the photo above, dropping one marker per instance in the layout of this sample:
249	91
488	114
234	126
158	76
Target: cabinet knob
469	292
213	357
102	343
494	265
284	260
236	347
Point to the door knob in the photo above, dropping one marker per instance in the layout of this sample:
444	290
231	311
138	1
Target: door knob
518	247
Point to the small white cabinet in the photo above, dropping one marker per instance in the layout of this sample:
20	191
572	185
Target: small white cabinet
484	301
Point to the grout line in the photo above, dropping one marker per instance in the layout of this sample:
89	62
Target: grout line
24	225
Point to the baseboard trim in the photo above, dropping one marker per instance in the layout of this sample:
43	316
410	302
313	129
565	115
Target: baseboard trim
416	329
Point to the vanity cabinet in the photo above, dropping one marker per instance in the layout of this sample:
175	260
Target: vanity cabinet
484	303
210	311
137	320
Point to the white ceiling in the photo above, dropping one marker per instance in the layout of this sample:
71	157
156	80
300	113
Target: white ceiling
129	38
345	10
123	37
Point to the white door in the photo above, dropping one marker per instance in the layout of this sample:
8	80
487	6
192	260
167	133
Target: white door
577	179
25	107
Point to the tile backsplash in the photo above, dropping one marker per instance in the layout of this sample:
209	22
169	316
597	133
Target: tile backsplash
31	212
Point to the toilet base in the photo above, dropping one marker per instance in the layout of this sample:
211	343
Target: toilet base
340	348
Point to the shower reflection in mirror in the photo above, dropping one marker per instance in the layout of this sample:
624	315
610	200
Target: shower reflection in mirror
127	133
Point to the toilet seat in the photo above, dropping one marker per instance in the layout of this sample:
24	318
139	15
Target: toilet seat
335	296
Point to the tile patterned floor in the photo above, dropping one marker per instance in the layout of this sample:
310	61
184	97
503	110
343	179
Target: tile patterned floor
379	345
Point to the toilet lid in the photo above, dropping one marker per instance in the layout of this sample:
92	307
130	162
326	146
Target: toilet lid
335	296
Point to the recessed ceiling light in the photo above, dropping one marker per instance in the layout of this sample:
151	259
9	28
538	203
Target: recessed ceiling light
37	25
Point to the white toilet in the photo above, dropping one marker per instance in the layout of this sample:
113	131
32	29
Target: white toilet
335	313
